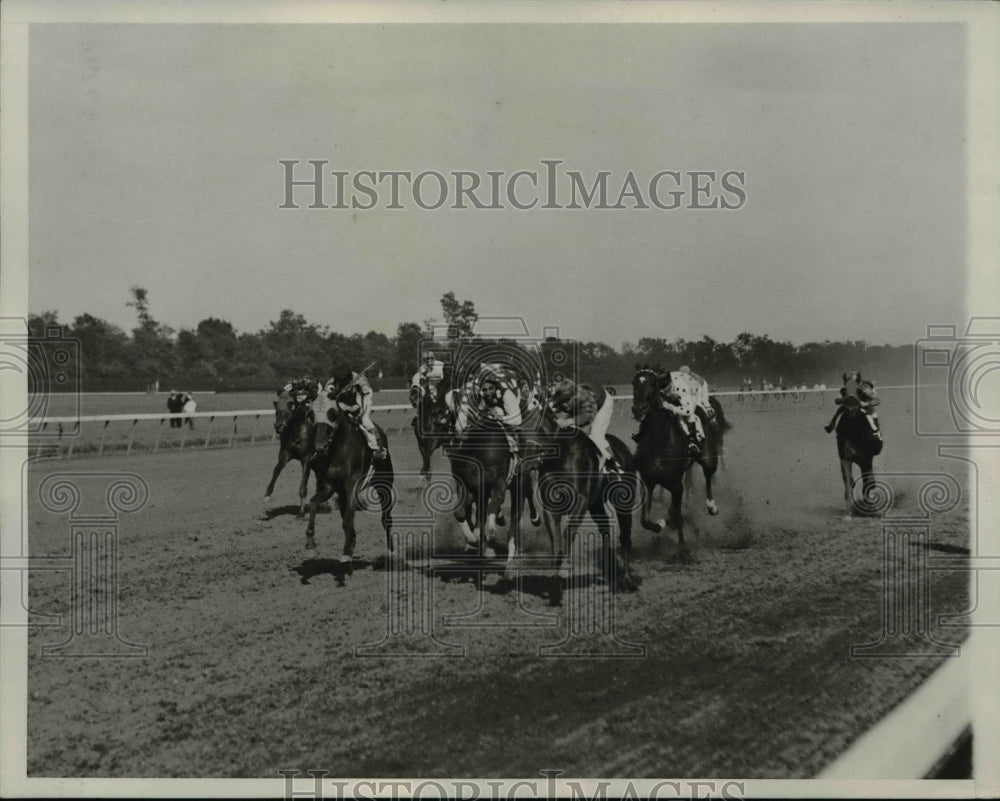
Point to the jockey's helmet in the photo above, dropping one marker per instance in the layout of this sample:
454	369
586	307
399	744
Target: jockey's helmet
343	375
685	369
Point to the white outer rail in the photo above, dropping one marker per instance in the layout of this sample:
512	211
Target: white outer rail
100	418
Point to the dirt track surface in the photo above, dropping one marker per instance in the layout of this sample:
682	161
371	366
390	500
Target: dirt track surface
251	669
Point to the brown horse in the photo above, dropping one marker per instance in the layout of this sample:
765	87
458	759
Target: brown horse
480	465
858	445
571	486
432	424
345	465
293	422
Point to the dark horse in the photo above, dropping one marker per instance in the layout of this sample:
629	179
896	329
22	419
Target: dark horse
293	422
570	485
481	467
431	424
662	456
345	465
856	445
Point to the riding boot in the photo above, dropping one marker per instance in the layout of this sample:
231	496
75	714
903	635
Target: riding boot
693	445
828	428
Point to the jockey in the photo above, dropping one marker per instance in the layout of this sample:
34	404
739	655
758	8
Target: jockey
864	391
582	406
306	389
493	393
352	394
684	393
430	374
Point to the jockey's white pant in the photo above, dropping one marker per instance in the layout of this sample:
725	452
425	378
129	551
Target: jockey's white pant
599	426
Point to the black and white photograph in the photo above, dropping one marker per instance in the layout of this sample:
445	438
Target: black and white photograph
565	399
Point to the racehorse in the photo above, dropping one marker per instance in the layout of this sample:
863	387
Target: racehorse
293	423
571	485
662	456
345	465
856	445
431	424
710	457
481	467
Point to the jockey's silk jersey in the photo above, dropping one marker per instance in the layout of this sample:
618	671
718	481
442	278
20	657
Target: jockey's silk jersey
432	372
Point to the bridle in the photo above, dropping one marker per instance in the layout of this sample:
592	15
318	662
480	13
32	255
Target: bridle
643	375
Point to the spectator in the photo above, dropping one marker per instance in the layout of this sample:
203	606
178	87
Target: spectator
190	406
175	405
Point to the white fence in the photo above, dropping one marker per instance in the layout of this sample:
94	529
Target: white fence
122	433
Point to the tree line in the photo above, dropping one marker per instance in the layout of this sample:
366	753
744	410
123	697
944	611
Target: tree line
214	356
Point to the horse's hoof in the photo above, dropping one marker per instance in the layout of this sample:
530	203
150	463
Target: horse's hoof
267	499
310	544
848	518
501	520
713	510
536	520
661	526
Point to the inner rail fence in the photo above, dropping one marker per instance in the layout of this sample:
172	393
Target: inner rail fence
117	434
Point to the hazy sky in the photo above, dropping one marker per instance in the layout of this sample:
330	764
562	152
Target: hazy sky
154	160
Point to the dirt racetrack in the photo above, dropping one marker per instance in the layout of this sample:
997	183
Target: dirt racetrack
251	667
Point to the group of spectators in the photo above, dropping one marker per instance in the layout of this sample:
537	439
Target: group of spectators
178	402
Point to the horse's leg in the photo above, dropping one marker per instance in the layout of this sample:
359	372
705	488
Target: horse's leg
282	461
304	484
517	490
623	511
382	483
598	509
867	480
677	518
324	490
708	467
426	449
463	514
554	526
532	488
647	507
847	474
346	502
494	508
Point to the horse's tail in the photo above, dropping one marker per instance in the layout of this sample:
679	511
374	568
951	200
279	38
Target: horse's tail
720	416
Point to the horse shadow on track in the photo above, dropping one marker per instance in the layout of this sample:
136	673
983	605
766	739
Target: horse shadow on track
310	568
292	510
